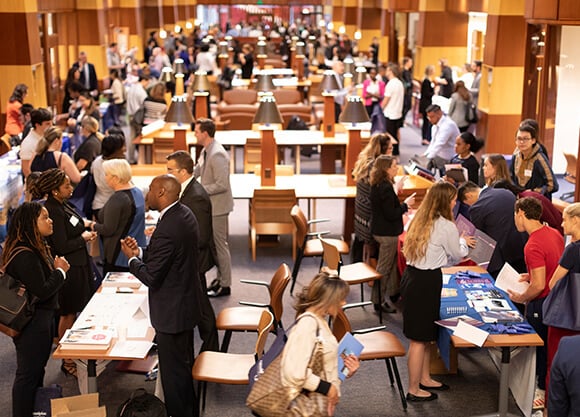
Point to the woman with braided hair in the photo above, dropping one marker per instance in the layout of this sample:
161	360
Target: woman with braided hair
27	258
70	240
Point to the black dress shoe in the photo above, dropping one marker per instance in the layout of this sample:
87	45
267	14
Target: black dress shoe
214	285
442	387
219	292
386	308
416	399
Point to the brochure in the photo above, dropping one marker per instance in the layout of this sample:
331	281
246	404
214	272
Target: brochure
90	339
120	280
451	322
511	316
348	346
509	279
483	250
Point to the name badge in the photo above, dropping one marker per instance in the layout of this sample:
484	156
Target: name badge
74	221
528	173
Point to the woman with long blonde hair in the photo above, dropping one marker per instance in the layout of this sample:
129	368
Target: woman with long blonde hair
432	242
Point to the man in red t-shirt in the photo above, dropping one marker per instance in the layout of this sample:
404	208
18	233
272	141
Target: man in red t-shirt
542	252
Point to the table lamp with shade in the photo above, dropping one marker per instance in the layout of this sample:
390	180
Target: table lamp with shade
179	66
200	90
180	114
264	82
328	86
268	119
353	116
223	54
299	60
348	71
261	54
360	75
168	78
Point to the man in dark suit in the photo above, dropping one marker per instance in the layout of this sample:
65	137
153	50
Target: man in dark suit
194	196
564	389
88	75
492	211
169	267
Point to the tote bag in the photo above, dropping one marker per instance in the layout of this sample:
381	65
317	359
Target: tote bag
562	305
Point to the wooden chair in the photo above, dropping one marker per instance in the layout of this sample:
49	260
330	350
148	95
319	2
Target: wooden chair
230	368
357	273
270	215
287	96
252	154
378	344
308	244
570	175
238	121
161	148
240	96
246	319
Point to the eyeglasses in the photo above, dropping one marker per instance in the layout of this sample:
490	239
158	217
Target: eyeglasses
523	139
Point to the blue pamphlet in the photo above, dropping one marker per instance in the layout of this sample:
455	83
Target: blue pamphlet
348	346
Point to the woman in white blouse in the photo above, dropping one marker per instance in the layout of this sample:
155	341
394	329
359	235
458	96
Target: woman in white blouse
432	242
325	295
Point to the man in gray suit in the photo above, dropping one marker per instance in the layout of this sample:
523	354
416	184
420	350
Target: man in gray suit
213	172
474	90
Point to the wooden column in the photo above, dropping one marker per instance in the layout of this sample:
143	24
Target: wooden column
180	139
201	99
21	59
502	80
329	115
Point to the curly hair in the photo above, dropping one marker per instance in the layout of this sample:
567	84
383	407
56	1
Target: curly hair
325	290
23	229
437	203
48	181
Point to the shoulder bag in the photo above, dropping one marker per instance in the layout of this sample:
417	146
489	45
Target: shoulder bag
471	112
16	305
562	305
270	398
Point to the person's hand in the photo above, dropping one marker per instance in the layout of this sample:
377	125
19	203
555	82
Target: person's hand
130	247
352	363
516	297
71	122
400	183
410	201
60	262
87	223
470	240
525	277
332	399
88	236
149	231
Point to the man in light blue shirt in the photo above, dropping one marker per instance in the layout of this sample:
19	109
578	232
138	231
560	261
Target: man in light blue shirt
443	134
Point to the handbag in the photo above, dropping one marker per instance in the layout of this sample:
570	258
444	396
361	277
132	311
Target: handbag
562	305
270	398
16	305
471	113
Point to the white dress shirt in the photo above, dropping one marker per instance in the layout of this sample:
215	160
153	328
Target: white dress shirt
443	136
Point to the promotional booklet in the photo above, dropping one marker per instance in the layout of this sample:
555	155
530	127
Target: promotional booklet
348	346
121	279
92	339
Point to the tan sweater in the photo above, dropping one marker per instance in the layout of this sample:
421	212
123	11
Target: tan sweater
298	350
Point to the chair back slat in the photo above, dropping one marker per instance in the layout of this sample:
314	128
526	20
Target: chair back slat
277	287
340	325
301	224
264	327
331	255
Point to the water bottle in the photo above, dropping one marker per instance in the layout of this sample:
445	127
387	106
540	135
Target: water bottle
65	144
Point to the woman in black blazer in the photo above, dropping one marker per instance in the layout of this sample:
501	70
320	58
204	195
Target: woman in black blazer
386	226
70	240
27	258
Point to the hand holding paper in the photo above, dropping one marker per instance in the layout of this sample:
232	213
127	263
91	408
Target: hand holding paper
509	279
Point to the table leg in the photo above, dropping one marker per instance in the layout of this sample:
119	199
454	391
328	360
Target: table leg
297	158
503	385
92	375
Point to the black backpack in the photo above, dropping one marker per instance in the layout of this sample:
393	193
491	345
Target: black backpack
142	404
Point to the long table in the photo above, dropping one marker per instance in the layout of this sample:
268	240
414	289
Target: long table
232	138
107	310
522	390
310	187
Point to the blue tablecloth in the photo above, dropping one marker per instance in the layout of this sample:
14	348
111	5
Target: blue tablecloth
458	305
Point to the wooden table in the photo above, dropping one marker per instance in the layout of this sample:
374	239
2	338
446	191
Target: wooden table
92	356
503	341
232	138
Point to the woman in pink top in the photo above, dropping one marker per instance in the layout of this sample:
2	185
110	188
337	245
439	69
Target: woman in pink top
373	91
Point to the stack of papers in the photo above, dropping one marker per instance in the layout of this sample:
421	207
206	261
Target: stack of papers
121	279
